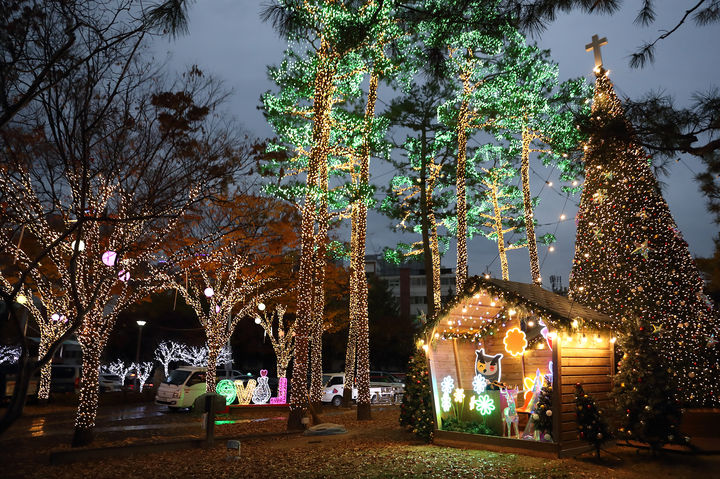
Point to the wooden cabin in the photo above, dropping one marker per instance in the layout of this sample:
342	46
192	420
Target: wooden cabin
500	336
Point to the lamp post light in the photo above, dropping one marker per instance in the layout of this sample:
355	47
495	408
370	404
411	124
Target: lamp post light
140	324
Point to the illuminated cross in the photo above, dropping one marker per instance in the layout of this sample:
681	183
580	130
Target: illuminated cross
595	47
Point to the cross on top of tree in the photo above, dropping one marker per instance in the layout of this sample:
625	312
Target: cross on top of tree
595	45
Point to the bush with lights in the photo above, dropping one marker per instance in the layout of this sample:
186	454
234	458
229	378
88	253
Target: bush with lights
541	416
647	408
416	410
592	426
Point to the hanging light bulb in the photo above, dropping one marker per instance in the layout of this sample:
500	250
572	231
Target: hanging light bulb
257	320
21	299
209	292
109	257
261	306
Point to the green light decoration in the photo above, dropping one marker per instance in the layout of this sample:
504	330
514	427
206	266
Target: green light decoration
482	404
226	388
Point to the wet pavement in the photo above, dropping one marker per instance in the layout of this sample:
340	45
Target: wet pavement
144	417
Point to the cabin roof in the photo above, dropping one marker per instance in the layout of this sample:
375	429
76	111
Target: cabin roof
559	310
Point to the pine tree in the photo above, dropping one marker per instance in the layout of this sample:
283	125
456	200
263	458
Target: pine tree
416	410
647	409
592	426
542	415
632	261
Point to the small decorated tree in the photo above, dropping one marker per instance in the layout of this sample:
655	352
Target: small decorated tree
168	352
416	410
542	415
9	354
592	426
647	407
118	368
143	371
281	337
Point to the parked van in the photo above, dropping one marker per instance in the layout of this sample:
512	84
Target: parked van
334	383
181	387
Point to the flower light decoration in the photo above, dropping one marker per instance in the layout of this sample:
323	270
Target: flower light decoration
446	386
484	405
515	341
459	395
479	384
262	393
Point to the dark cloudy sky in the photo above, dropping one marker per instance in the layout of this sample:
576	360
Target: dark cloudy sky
227	39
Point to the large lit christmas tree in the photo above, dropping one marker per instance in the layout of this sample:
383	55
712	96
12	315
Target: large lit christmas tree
630	258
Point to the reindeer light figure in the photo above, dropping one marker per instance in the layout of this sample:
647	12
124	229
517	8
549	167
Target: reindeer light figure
510	414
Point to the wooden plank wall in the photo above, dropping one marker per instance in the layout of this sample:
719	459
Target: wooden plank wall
456	358
590	364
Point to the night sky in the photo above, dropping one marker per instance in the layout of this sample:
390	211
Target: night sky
228	40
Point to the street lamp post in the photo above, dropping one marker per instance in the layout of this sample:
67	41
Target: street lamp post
137	352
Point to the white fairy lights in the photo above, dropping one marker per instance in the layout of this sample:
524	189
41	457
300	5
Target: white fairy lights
221	293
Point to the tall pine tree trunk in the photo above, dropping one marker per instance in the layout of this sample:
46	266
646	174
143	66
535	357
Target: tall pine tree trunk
363	330
435	257
88	400
527	138
316	385
425	208
497	222
461	272
463	125
322	108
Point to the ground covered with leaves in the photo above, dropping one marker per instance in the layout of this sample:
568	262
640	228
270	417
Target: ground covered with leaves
378	448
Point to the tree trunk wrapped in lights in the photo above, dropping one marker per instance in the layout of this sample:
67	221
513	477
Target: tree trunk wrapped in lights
51	321
338	37
88	399
632	261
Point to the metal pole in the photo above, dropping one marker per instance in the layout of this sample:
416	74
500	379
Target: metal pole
137	356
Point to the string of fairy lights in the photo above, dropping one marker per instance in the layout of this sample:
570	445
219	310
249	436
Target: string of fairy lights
282	341
473	326
221	293
89	276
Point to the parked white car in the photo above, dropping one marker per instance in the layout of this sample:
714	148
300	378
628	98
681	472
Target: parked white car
334	385
110	383
181	387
